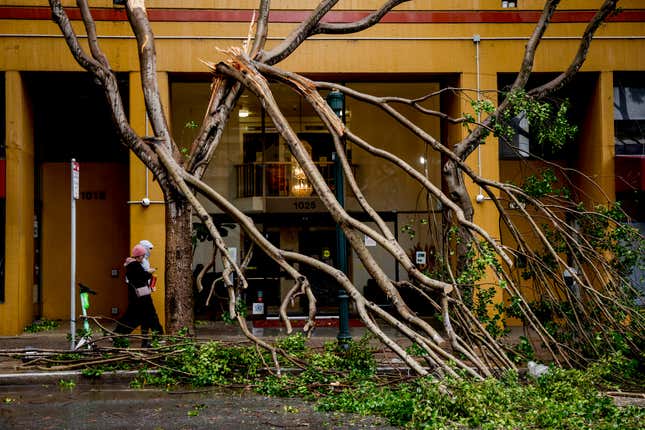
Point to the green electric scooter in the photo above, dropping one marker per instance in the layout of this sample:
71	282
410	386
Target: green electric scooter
86	339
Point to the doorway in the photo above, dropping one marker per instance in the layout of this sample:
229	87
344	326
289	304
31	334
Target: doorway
72	120
320	243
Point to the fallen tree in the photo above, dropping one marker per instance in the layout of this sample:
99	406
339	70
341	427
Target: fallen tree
595	317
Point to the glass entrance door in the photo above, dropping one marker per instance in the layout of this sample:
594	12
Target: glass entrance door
320	243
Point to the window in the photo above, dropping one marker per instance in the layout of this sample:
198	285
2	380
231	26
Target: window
629	141
268	167
629	115
526	142
520	145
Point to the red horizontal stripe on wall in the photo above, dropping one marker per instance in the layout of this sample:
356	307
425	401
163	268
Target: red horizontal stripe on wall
293	16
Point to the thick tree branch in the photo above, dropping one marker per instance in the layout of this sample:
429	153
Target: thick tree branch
224	95
140	25
110	89
262	28
298	35
92	38
607	8
360	25
312	25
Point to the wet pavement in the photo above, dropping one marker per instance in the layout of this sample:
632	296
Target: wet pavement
35	399
115	406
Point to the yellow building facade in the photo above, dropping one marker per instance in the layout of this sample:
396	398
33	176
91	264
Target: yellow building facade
52	113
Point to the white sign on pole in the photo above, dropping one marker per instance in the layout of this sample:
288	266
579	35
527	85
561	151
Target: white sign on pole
420	257
76	173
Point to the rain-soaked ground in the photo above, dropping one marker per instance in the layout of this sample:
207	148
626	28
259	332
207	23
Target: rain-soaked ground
116	406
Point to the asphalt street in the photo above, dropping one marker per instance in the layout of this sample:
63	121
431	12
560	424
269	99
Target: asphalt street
34	399
114	406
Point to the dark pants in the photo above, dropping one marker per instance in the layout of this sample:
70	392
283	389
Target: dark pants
140	312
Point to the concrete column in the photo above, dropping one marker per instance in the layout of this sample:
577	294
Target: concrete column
596	157
148	222
484	161
17	310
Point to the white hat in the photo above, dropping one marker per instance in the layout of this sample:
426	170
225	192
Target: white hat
146	244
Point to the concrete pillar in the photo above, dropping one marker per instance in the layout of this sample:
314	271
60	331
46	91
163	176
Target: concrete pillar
484	161
596	157
148	222
17	310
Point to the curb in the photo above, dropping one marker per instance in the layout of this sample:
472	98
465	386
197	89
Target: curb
121	376
36	378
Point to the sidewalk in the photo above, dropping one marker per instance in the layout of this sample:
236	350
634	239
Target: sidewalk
11	371
211	330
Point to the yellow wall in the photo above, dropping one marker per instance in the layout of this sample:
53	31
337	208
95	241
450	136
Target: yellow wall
484	161
101	237
394	48
147	222
342	5
514	171
181	45
596	158
17	310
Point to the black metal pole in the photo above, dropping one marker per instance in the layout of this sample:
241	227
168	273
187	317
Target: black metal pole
336	101
341	243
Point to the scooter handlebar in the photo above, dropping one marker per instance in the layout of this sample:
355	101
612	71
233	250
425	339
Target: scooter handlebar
85	289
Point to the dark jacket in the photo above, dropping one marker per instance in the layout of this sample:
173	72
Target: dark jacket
141	310
137	277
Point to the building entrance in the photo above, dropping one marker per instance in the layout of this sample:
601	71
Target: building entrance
71	121
313	236
320	243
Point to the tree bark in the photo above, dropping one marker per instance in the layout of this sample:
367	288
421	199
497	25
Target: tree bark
454	181
179	283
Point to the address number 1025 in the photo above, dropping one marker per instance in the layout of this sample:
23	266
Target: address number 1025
304	205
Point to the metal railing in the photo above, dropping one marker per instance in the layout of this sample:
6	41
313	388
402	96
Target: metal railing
278	179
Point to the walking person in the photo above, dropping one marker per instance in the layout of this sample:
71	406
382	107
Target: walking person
141	310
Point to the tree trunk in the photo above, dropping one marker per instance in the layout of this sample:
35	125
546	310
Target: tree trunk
179	282
454	182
